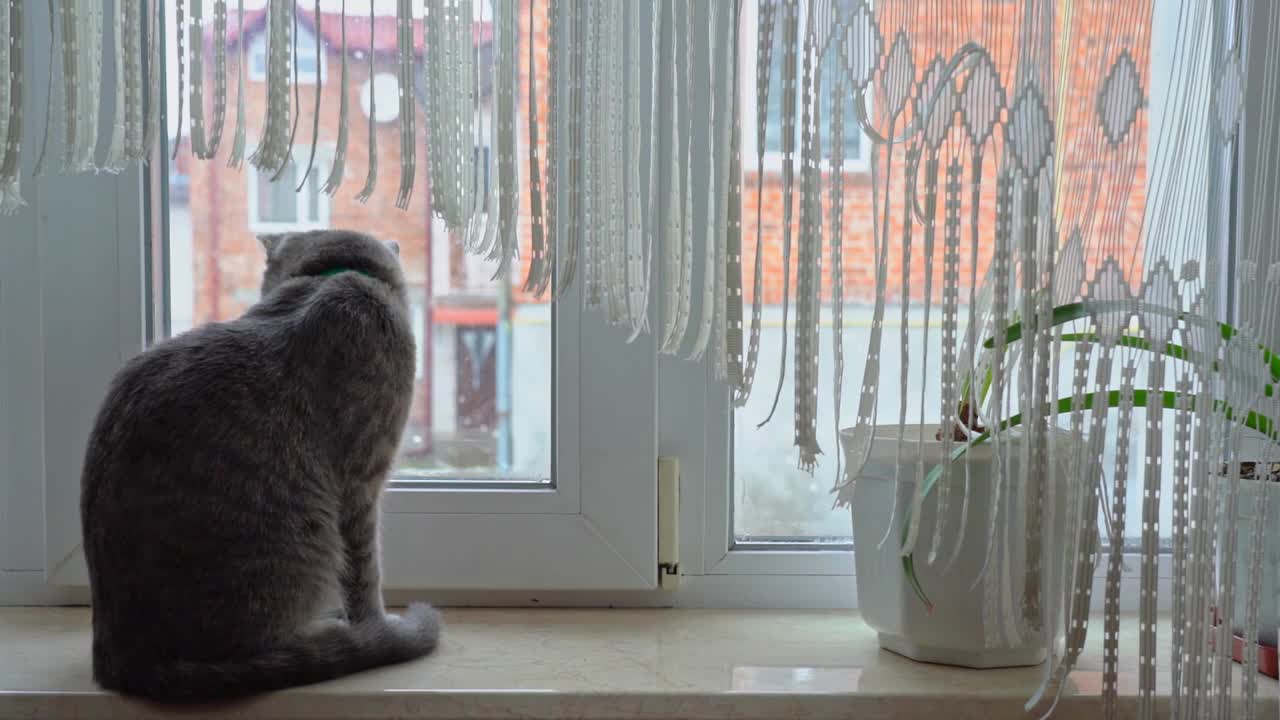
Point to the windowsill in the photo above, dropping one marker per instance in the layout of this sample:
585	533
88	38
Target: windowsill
624	664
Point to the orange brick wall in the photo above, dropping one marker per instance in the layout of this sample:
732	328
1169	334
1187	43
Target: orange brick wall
1091	46
228	257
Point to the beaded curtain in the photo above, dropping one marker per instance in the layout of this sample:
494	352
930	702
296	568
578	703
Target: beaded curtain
1088	309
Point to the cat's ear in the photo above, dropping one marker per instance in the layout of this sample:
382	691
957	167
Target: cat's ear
271	242
394	247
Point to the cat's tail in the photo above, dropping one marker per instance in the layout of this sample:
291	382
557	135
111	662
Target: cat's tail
330	652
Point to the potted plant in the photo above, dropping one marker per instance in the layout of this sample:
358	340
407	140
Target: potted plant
959	629
955	607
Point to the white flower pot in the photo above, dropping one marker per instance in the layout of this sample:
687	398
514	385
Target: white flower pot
957	631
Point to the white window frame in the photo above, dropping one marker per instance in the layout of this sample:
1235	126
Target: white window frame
70	326
258	48
304	201
773	162
67	327
700	434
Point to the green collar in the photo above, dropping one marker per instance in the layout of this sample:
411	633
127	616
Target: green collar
339	270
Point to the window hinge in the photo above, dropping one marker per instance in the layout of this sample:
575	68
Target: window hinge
668	523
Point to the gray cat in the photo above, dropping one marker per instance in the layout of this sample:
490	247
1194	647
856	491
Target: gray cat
232	481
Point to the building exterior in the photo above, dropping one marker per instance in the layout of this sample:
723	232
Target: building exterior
484	346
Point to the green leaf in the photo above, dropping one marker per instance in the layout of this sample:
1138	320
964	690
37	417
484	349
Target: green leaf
1076	311
1061	315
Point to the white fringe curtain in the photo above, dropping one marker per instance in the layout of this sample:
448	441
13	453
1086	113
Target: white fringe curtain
1098	308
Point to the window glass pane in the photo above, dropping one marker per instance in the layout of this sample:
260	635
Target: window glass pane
774	500
306	55
482	397
277	201
481	155
852	132
258	59
312	193
306	44
307	64
773	137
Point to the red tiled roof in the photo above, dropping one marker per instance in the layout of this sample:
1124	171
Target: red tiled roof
330	29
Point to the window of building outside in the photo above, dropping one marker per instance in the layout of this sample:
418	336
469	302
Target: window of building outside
281	206
306	55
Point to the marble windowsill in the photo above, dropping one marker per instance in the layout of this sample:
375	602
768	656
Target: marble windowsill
600	664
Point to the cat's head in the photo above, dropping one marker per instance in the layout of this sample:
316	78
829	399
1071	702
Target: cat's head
318	253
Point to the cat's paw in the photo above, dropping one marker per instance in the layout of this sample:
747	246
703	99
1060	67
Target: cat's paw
419	626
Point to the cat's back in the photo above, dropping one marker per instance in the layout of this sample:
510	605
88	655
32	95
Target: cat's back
188	437
251	405
200	384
